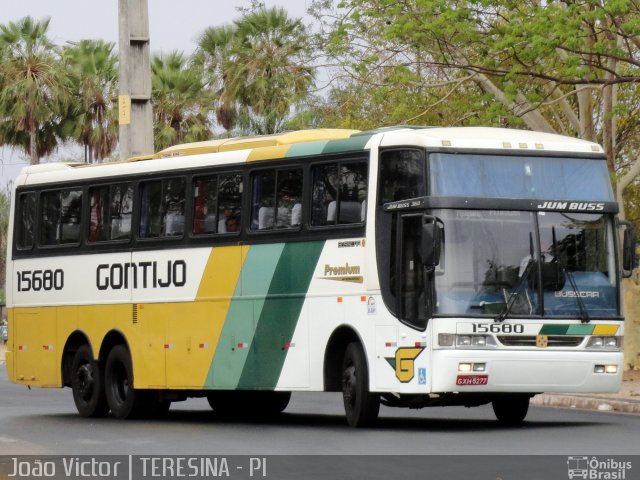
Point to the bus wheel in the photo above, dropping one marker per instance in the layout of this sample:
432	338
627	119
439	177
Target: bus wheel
360	405
511	409
124	400
87	385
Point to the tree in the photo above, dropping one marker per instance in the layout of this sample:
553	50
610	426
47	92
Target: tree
93	114
556	66
34	92
212	57
261	65
180	102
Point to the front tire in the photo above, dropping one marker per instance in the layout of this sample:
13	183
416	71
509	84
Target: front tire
123	399
512	409
87	384
360	405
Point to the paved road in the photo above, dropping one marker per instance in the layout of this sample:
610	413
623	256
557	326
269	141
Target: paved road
43	421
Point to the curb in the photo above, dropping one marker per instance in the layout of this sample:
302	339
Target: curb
586	403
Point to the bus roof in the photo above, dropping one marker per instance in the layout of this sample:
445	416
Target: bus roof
488	138
308	143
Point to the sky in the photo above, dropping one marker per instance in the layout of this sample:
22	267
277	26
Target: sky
173	25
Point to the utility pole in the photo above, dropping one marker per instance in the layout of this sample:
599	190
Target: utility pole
134	102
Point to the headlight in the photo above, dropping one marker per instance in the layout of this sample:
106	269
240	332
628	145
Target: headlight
605	343
466	341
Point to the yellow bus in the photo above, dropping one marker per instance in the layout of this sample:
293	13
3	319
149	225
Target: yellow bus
408	267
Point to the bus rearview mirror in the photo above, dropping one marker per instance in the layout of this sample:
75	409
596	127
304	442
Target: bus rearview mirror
431	242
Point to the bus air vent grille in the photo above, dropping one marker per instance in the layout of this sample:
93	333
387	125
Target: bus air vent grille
134	313
554	341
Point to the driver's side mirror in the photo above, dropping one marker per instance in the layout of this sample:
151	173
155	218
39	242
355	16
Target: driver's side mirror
430	247
628	248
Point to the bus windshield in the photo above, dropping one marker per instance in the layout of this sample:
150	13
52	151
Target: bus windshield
486	253
508	176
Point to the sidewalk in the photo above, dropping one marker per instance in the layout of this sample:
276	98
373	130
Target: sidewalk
627	400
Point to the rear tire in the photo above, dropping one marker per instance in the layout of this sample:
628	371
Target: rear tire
123	399
87	384
511	409
360	405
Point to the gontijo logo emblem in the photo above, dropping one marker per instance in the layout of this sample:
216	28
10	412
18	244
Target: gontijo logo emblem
404	361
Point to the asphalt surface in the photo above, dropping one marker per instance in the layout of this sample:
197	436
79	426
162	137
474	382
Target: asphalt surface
44	421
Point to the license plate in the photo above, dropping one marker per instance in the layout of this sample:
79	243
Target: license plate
472	380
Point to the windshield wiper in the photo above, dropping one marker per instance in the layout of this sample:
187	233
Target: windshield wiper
513	296
516	289
584	314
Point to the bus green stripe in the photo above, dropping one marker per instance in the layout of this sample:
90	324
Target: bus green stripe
551	329
279	317
580	330
248	301
305	149
357	142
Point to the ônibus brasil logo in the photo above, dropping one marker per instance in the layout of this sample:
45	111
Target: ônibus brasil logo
594	468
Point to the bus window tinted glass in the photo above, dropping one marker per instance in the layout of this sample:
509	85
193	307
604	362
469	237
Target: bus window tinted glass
205	204
401	176
60	217
25	224
110	209
162	208
216	204
277	195
476	175
339	193
229	203
288	201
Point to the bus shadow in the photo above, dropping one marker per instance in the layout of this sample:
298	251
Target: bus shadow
332	422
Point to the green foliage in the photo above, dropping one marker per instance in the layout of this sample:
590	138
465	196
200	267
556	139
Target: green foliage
260	67
565	67
92	116
180	102
35	90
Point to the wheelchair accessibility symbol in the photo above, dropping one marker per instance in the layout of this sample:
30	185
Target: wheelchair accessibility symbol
422	376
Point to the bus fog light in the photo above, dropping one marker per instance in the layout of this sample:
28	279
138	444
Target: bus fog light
464	340
479	367
611	369
479	341
464	367
598	369
446	339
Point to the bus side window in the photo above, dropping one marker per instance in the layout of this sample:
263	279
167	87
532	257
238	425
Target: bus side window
98	213
110	210
276	197
339	193
205	204
121	211
60	217
401	176
162	208
71	215
229	203
25	222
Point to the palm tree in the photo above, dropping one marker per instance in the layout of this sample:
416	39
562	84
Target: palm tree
212	57
271	73
93	116
34	91
261	65
181	104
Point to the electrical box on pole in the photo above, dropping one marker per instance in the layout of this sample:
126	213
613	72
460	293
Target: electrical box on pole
134	101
